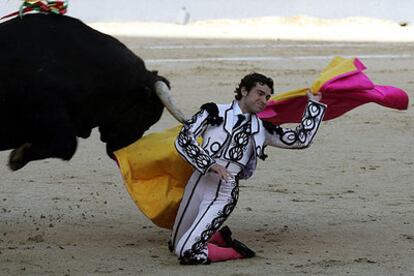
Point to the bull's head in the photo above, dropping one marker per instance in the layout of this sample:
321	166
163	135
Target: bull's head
146	110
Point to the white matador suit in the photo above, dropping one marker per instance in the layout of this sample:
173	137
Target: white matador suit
207	200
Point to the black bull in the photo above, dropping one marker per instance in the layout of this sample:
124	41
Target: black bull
59	79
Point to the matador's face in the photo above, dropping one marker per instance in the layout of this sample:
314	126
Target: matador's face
254	101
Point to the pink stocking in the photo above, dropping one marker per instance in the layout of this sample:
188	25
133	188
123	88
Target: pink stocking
219	254
217	239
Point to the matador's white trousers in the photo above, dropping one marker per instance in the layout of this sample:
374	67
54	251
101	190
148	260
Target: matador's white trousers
206	204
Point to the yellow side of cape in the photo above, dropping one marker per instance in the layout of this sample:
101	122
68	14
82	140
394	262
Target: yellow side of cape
155	174
336	67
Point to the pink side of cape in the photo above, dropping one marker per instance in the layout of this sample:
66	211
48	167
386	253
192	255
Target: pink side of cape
342	93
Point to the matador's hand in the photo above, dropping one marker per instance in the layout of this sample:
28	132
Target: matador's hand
315	98
223	173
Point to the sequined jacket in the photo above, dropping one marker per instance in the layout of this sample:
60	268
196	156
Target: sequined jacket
214	123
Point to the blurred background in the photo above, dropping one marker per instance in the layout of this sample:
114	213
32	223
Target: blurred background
168	11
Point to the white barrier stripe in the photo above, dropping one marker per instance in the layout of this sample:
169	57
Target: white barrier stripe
273	58
260	46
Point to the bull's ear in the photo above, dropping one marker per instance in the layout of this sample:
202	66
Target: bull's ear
161	78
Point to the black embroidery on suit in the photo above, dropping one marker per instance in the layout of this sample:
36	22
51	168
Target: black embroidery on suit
199	158
239	142
271	128
196	254
308	124
262	154
193	119
215	147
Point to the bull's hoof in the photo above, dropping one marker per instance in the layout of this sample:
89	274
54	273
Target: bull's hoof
17	158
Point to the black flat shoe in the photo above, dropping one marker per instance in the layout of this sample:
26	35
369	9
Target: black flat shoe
226	235
243	249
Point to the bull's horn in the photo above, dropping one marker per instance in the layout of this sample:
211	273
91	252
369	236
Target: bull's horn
163	92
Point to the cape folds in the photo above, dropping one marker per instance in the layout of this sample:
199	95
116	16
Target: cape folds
343	85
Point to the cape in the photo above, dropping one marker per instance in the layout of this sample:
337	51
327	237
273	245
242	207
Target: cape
155	175
343	86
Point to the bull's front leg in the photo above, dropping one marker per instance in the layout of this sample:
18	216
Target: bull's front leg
29	152
63	149
53	136
17	158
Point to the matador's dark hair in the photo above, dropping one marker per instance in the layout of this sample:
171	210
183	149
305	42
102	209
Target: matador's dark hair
250	81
